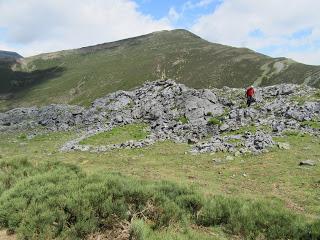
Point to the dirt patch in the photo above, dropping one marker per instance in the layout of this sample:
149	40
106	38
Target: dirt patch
121	231
5	236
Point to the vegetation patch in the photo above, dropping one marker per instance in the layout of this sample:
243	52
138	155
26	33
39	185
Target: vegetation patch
242	130
317	95
235	141
183	120
313	124
294	133
138	131
214	121
52	200
300	100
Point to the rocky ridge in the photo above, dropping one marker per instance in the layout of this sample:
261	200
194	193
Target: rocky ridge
210	119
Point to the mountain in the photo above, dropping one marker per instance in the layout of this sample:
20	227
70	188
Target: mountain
79	76
9	55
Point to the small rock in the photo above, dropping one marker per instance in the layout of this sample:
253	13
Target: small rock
284	145
237	154
217	161
192	141
119	118
224	127
245	175
307	163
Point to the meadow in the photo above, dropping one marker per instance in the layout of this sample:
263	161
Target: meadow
158	192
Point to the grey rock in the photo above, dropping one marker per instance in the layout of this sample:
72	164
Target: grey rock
229	158
162	103
283	145
224	127
307	163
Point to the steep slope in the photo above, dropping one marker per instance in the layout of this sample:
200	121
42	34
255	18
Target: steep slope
79	76
7	59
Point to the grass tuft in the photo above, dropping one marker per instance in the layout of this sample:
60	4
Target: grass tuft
183	119
214	121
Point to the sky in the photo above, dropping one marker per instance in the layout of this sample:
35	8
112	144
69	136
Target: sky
278	28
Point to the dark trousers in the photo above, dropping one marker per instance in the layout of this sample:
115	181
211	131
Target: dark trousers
250	100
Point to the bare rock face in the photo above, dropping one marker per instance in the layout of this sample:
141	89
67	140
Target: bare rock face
183	114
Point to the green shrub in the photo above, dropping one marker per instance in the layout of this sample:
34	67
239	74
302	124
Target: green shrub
20	168
214	121
53	200
251	219
183	120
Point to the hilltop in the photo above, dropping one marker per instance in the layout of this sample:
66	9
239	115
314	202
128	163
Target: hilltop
79	76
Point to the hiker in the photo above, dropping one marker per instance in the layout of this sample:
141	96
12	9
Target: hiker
249	94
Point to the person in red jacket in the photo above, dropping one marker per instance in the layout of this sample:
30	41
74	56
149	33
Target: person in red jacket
249	94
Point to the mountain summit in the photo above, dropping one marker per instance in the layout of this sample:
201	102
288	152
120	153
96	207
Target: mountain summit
80	75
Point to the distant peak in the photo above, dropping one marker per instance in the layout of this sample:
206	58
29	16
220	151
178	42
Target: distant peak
9	55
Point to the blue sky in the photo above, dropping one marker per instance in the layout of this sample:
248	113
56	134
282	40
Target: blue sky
288	28
189	11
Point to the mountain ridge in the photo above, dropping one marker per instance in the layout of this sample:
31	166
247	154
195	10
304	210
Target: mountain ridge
78	76
9	55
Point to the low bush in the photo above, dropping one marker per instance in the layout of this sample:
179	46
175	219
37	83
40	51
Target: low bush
183	120
214	121
57	201
253	219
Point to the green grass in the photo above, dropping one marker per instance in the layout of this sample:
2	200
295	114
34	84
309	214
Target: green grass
314	124
242	130
275	189
300	100
183	119
317	95
214	121
53	200
80	76
119	135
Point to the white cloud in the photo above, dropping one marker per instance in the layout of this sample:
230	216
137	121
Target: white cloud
173	15
41	26
234	21
204	3
201	3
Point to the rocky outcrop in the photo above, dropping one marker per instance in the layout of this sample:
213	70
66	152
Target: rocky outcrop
183	114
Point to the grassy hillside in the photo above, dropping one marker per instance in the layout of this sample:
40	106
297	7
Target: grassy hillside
79	76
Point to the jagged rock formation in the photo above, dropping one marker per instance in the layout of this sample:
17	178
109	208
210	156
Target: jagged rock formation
183	114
